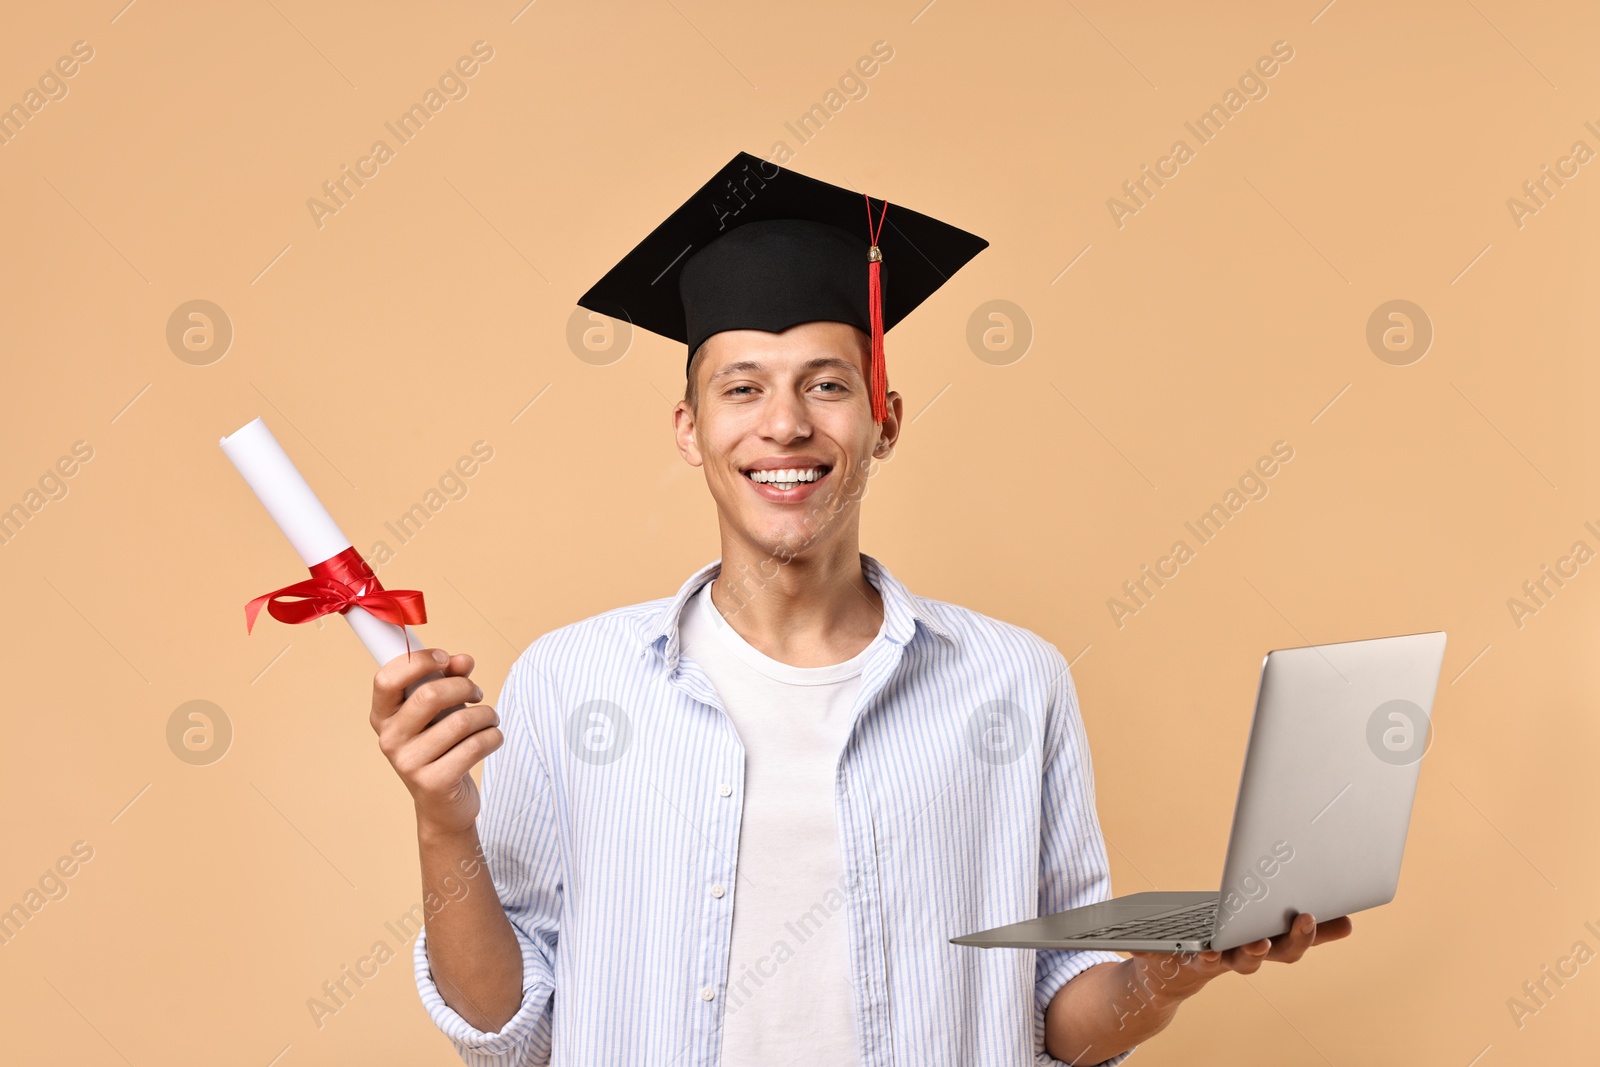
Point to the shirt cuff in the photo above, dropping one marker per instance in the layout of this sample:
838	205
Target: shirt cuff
499	1049
1056	969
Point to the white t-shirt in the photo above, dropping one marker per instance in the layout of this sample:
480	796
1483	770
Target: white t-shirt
789	998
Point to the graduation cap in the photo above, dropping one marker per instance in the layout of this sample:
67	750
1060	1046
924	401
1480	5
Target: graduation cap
759	247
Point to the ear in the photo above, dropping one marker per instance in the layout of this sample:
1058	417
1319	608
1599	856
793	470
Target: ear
889	428
683	424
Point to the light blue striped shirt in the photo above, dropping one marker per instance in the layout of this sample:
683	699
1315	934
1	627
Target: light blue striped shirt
965	800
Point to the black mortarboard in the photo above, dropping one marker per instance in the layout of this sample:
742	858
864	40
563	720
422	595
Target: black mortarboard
763	248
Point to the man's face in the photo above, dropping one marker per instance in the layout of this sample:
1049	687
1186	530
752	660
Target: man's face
795	401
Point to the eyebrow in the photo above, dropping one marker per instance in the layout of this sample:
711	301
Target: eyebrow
750	365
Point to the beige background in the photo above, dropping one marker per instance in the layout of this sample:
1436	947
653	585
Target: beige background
1230	312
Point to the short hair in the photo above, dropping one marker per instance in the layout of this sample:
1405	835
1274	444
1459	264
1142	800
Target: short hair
691	387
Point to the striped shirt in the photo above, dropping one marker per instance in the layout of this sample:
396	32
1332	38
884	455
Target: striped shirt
965	800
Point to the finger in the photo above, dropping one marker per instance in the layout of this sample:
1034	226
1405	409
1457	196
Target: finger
1206	964
459	761
444	735
1334	929
389	684
1289	947
1165	965
459	665
426	701
1176	973
1247	959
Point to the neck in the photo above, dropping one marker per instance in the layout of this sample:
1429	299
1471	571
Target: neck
815	610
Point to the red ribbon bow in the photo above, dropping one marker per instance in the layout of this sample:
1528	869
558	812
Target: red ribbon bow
336	585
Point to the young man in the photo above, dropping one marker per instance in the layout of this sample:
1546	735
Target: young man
740	825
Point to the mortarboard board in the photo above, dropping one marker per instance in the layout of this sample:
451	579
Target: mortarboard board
764	248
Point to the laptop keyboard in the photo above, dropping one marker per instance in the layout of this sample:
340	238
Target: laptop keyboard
1194	923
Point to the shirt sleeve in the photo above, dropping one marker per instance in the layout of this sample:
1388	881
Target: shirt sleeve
517	826
1073	867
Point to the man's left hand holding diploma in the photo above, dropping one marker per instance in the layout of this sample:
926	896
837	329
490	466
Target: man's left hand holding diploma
472	950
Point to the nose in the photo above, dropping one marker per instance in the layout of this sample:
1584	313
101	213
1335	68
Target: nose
785	417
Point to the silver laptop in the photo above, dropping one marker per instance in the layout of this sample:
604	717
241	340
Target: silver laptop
1330	772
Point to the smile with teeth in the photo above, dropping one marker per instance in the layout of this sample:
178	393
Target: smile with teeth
788	478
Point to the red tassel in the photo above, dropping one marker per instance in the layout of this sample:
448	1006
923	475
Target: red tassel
880	400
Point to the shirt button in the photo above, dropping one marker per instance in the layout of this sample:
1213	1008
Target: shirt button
717	891
725	789
707	993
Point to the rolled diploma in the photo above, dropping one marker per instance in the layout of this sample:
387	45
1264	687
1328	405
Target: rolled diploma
283	491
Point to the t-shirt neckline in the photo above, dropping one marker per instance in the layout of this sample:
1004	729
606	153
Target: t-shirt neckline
765	664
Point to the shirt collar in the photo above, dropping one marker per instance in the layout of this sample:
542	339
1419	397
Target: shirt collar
902	610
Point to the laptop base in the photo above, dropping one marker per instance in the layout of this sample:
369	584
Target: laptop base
1085	927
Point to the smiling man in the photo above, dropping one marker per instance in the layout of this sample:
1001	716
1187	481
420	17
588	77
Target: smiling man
740	824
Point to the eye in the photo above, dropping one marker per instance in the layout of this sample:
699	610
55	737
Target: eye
836	387
735	390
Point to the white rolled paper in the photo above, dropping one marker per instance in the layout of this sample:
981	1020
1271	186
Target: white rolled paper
284	492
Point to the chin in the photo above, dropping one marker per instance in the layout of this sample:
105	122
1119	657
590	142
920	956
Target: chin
783	541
